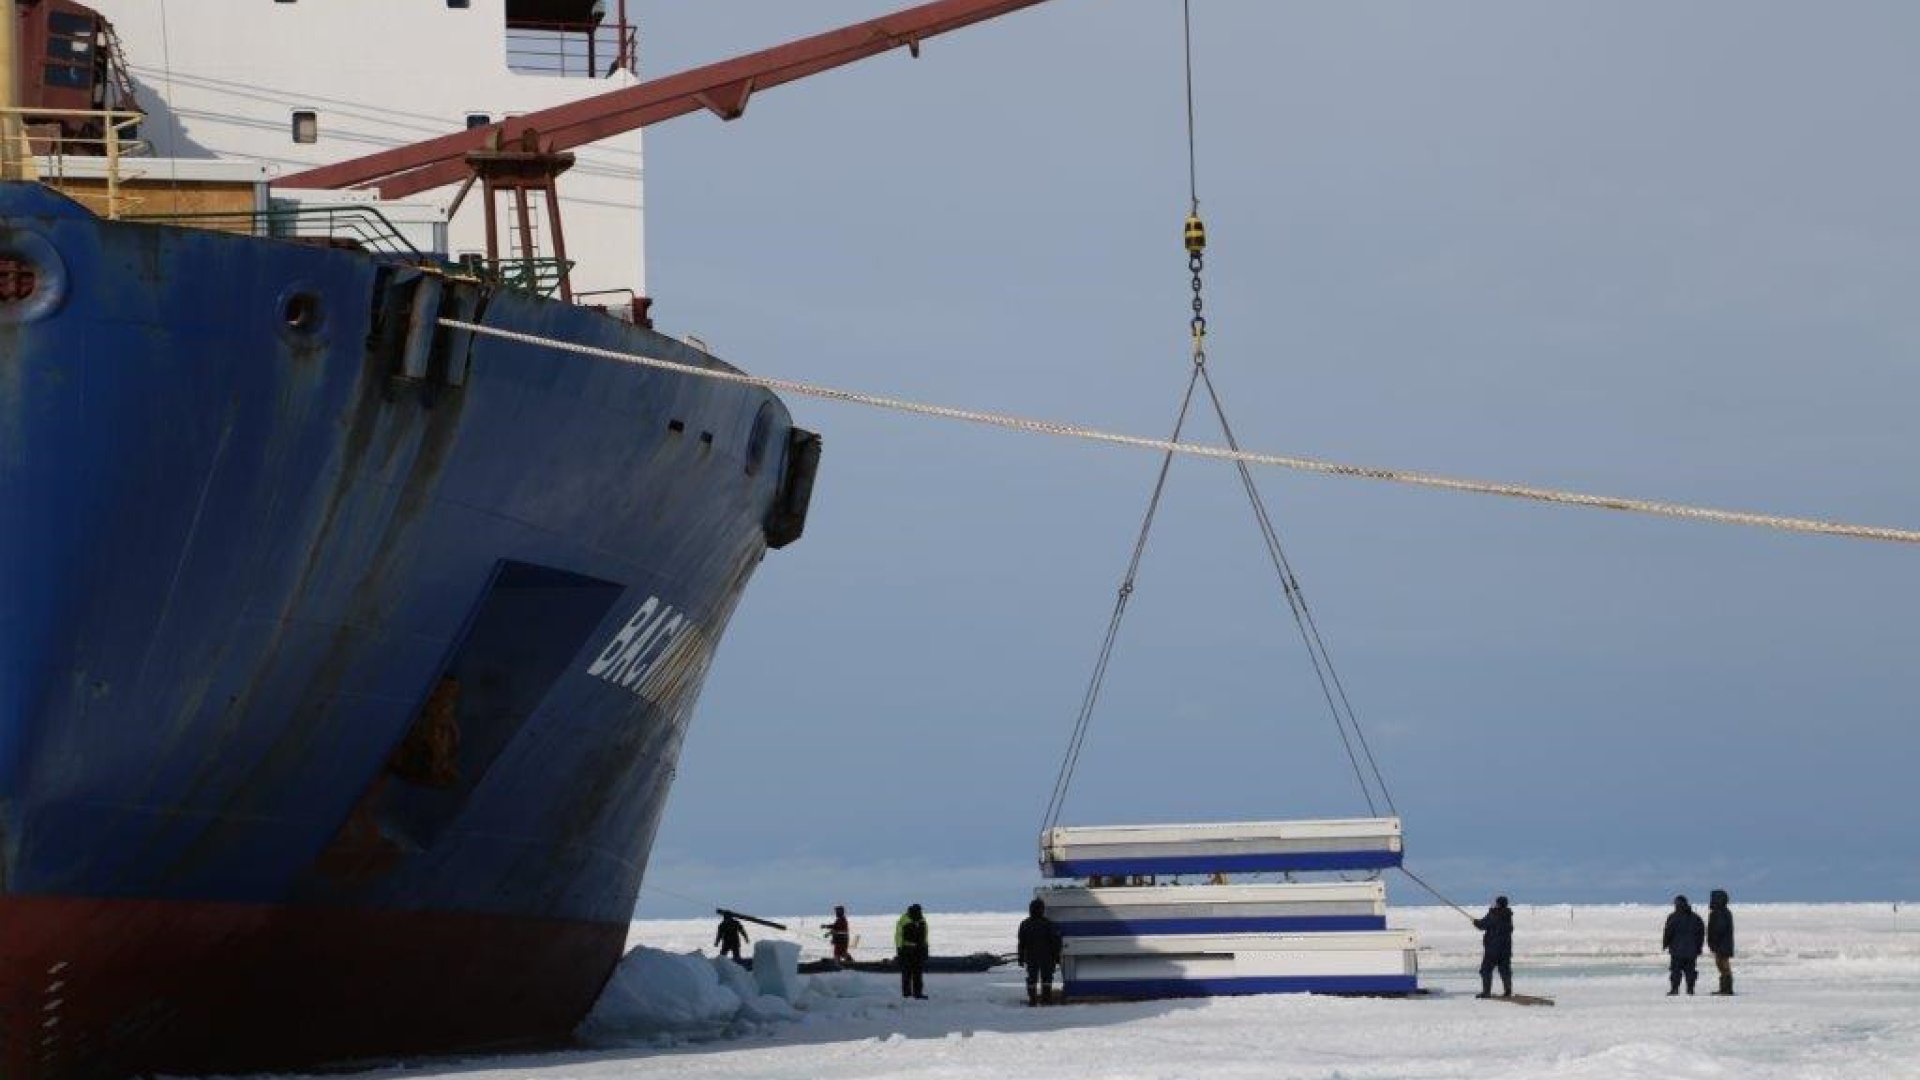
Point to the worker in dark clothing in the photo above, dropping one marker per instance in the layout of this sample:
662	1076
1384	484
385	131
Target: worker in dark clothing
1720	939
910	950
1039	952
730	934
1683	939
838	934
1496	948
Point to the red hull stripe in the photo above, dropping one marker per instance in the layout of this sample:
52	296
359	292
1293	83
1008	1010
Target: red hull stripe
99	988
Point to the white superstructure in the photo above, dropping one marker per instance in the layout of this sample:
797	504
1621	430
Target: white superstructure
252	79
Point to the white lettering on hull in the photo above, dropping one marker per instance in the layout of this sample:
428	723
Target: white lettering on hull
653	651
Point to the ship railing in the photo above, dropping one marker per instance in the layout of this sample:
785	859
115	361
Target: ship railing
362	228
540	276
580	50
76	151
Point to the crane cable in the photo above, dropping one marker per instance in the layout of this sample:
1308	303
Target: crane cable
1331	686
1091	698
1339	705
1196	242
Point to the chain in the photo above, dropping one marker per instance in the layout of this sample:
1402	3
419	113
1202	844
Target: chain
1196	233
1197	264
1196	239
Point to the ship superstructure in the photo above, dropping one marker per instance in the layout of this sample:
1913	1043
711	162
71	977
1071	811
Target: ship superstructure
294	84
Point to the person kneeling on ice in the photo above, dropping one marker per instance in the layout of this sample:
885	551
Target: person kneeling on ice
730	934
1683	938
1039	952
910	945
1496	948
1720	939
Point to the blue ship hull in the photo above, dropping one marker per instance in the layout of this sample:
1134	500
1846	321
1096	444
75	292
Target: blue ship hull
344	659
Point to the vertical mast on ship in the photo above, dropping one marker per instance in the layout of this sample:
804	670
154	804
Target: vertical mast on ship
16	157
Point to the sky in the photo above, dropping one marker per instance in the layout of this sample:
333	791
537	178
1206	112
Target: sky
1636	248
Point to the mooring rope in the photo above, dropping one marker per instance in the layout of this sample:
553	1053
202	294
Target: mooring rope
1220	453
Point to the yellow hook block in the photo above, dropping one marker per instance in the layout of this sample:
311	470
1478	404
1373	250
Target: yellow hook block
1196	234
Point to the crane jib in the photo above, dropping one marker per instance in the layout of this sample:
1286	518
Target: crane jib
722	88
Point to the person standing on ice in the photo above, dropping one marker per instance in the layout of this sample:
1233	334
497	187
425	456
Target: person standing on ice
1683	939
1039	951
1720	939
840	935
730	934
910	952
1496	948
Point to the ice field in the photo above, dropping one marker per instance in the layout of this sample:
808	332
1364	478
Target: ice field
1824	991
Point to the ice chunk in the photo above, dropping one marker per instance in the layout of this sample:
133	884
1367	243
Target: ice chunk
768	1008
654	993
736	978
776	968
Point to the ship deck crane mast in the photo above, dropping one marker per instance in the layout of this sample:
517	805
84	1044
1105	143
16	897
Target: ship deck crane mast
526	153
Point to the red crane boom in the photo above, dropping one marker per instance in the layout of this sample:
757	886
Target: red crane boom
721	88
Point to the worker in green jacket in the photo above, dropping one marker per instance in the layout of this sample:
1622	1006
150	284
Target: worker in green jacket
910	951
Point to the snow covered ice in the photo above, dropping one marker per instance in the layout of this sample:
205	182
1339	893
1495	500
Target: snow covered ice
1825	991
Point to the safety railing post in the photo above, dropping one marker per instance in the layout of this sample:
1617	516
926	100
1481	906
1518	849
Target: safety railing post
113	171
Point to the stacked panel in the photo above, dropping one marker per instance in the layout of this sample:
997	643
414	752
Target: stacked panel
1221	847
1174	940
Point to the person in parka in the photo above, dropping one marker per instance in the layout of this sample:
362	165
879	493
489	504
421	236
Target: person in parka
840	935
1496	948
1039	952
1720	939
910	952
1684	937
729	935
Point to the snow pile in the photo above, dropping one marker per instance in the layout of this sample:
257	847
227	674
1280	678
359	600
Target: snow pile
840	984
670	997
735	978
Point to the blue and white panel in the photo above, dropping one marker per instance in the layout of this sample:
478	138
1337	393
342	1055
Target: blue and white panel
1370	962
1304	907
1221	847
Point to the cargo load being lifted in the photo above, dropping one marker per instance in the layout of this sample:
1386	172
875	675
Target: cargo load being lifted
1221	847
1080	911
1175	940
1371	962
1126	933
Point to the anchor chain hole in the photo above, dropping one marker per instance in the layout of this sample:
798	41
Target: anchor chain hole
301	312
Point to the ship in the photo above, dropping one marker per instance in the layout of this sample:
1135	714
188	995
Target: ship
347	646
